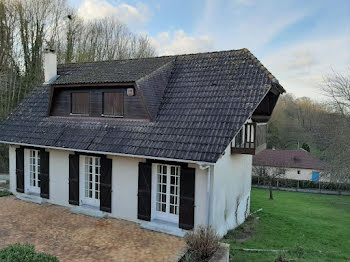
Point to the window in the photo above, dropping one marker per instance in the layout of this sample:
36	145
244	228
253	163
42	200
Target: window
80	103
113	104
34	169
92	177
298	172
168	189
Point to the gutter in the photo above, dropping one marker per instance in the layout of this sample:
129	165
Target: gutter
200	163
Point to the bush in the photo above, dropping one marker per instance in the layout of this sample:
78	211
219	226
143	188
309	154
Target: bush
202	243
24	253
5	193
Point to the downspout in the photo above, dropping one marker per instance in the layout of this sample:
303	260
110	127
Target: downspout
208	167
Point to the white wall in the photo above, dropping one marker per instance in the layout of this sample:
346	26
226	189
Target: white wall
124	184
200	197
59	177
231	185
12	168
125	187
305	174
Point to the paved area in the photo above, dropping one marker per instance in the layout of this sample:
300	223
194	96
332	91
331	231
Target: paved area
74	237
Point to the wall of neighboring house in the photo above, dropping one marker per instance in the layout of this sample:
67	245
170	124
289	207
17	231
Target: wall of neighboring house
305	174
231	191
124	184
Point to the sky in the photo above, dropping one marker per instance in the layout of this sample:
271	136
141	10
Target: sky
299	41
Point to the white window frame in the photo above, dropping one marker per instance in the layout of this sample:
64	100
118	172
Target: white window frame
84	194
32	171
167	215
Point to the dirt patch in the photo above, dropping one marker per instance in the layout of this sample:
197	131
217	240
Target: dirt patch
74	237
245	231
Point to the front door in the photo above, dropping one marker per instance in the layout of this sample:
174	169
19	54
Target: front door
90	181
32	171
166	191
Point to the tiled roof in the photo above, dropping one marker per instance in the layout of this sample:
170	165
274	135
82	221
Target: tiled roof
207	98
287	158
116	71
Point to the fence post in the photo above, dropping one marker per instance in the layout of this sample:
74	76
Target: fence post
298	185
277	184
319	185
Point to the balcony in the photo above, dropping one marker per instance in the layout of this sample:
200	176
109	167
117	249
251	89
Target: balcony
250	140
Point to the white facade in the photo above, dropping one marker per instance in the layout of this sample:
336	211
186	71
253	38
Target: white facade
300	174
231	191
215	200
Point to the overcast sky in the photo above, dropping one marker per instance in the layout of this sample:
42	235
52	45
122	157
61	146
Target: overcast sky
299	41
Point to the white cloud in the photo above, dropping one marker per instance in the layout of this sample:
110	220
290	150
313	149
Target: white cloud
131	15
178	42
301	67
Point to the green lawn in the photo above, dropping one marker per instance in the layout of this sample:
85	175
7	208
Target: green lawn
312	227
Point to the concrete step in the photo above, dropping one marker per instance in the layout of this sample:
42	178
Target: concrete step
164	227
89	211
31	198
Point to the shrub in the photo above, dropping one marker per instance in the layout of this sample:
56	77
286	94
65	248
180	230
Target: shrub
202	243
24	253
5	193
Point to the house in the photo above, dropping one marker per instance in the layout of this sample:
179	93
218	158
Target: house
166	142
297	164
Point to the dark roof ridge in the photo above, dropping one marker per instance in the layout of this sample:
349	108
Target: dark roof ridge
153	57
154	72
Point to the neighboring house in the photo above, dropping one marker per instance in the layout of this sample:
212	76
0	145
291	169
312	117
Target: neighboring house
298	164
166	141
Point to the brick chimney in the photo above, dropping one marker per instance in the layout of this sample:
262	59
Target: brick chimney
50	65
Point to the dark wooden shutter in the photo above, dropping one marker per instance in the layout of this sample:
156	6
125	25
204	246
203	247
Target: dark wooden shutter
80	103
20	170
74	179
187	180
113	103
144	191
44	174
106	185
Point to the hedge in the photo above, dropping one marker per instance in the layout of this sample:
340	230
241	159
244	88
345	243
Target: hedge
24	253
303	184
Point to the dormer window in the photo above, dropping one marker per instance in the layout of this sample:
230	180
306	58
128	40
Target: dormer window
80	103
113	104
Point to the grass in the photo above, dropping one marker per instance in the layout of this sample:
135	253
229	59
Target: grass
24	253
312	227
5	193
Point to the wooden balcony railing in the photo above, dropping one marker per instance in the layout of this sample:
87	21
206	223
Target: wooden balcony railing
251	139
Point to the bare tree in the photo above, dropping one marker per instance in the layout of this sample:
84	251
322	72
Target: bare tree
269	174
27	26
336	86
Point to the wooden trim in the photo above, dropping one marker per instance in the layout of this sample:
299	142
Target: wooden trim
93	85
247	151
52	90
163	162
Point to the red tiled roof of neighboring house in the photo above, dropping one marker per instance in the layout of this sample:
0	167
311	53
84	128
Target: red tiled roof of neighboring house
287	158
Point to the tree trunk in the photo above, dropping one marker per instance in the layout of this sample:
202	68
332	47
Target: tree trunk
271	195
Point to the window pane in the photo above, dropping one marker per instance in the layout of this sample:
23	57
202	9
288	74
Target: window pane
80	103
113	104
